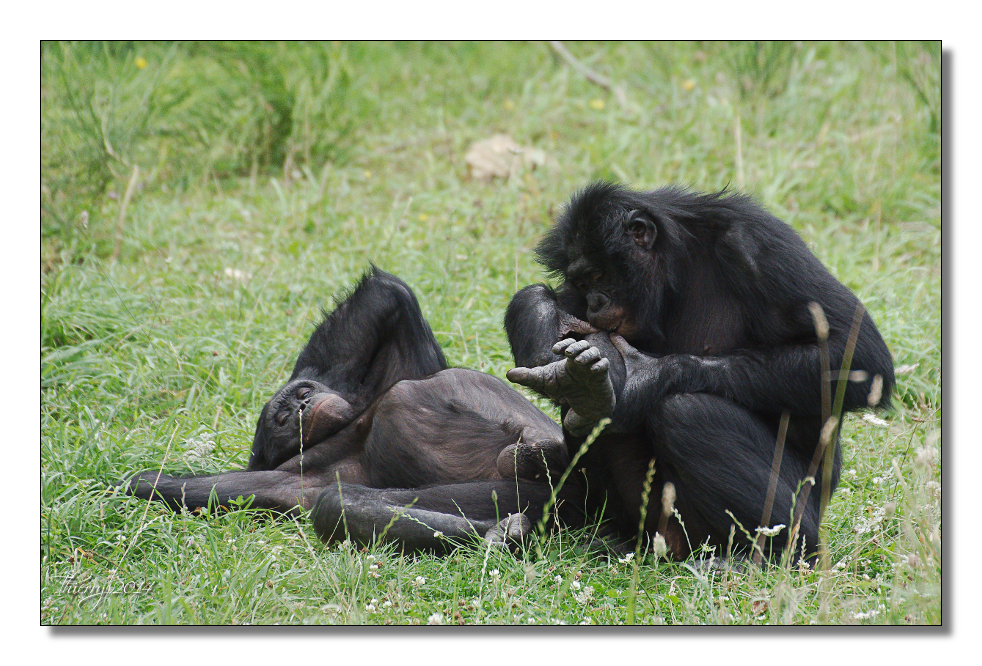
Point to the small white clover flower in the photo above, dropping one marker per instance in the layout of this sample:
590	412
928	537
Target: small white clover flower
494	573
419	582
868	615
559	579
584	596
627	558
575	585
435	618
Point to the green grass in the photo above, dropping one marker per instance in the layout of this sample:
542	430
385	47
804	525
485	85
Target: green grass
259	197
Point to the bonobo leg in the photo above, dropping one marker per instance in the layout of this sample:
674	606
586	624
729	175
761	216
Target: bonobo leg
719	457
439	518
275	490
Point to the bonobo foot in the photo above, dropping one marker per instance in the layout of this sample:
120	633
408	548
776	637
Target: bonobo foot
510	533
533	461
581	380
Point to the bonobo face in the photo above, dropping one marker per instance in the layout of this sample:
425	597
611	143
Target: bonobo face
618	250
302	407
605	308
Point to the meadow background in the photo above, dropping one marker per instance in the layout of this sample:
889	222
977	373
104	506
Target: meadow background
201	202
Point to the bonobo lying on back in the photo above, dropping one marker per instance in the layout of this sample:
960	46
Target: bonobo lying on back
371	404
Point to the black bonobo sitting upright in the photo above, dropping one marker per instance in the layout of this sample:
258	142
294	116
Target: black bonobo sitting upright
688	320
372	405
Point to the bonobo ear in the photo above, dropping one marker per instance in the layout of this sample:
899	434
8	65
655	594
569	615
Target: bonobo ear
641	229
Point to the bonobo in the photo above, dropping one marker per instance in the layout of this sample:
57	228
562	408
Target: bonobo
687	320
371	404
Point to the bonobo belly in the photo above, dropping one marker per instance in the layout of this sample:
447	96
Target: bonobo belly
448	428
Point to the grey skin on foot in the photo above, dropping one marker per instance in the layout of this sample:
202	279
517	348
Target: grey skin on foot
581	380
511	532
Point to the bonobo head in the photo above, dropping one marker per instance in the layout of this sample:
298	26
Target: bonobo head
624	253
302	406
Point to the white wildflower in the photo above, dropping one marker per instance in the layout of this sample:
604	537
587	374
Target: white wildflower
199	447
868	615
875	420
626	559
435	618
584	596
495	574
559	579
419	582
575	585
771	531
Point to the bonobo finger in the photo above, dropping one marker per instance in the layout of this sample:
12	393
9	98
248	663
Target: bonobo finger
534	378
581	327
520	375
589	356
600	366
577	348
623	346
561	346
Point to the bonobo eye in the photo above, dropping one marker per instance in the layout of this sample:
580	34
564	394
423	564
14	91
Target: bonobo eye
303	392
641	228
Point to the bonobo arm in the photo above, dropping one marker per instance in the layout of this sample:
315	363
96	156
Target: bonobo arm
783	377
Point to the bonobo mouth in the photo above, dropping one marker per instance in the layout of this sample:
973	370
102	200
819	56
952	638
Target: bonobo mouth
323	416
621	327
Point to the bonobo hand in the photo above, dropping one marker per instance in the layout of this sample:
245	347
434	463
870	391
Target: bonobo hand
647	378
580	380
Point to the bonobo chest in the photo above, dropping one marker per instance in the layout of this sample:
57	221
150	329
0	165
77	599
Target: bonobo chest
703	321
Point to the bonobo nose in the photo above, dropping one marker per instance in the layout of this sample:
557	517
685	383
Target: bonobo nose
596	302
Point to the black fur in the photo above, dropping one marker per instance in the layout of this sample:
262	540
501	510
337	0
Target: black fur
371	408
712	294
